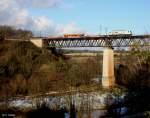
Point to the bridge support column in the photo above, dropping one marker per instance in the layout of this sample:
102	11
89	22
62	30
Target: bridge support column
108	78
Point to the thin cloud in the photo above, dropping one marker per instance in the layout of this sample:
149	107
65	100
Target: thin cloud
39	3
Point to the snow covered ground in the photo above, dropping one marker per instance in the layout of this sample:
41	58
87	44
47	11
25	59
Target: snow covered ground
95	101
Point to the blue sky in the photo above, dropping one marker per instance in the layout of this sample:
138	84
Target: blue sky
53	17
102	15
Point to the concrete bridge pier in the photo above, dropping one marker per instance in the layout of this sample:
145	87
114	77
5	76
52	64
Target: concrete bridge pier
108	78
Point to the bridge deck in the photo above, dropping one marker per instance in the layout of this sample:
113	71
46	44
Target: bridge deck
98	41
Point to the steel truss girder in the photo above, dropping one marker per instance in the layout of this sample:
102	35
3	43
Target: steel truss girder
101	42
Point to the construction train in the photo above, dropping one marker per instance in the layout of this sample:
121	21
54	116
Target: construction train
112	33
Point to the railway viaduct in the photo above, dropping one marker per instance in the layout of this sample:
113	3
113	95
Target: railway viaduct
108	42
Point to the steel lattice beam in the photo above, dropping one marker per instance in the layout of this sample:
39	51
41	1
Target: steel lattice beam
101	41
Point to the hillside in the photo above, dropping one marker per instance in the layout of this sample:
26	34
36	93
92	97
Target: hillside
26	69
22	63
23	57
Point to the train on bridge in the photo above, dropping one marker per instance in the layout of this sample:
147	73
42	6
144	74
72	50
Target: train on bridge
112	33
73	35
120	32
